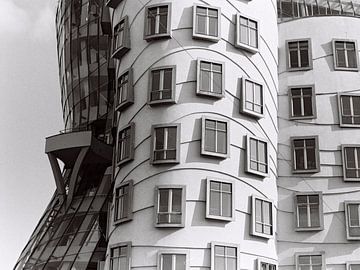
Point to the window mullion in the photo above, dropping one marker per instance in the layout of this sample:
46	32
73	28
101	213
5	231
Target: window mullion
358	208
221	204
166	130
299	53
305	156
302	104
161	86
173	262
211	78
308	211
216	136
356	160
352	110
207	22
157	21
346	55
170	205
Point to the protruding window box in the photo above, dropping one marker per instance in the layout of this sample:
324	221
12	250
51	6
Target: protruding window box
210	78
124	90
349	110
206	22
162	85
262	217
247	33
225	254
125	144
123	199
302	102
351	162
345	55
157	21
121	42
352	215
298	55
305	154
113	3
257	156
252	98
310	260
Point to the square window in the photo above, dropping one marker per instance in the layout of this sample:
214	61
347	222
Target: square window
224	256
352	214
349	110
252	98
247	33
124	90
173	260
210	78
305	154
165	145
309	211
113	3
345	55
206	22
162	85
299	56
125	144
157	21
266	264
215	137
123	202
257	160
121	38
170	206
220	199
353	265
120	256
302	102
262	217
351	162
310	260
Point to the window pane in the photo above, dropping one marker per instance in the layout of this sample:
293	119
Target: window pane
171	138
311	159
314	216
167	262
231	264
214	203
303	222
167	78
258	210
294	62
354	214
299	158
244	35
163	200
220	250
201	25
219	263
307	106
155	80
209	140
159	138
205	80
267	212
176	200
217	83
180	262
355	267
226	205
222	142
253	38
213	26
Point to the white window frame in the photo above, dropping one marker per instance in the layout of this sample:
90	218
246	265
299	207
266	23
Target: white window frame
317	158
321	212
128	255
342	124
248	156
183	205
208	199
243	99
148	36
313	102
253	217
213	244
320	253
195	25
173	85
210	93
173	252
348	223
120	106
344	41
348	264
131	140
128	197
345	163
288	58
242	45
266	261
120	51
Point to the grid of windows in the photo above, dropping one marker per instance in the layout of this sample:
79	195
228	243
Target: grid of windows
299	55
224	256
123	202
305	154
309	213
352	213
125	144
302	102
351	162
219	199
252	101
165	144
121	38
124	91
309	261
162	85
262	217
206	22
172	260
157	21
119	256
349	108
257	156
210	79
345	55
215	137
247	33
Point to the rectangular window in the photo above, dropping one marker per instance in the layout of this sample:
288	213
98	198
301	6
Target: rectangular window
224	256
170	206
172	260
265	264
299	55
206	22
157	21
252	98
257	156
162	85
302	102
353	265
125	144
309	211
351	162
247	33
262	217
349	110
124	90
345	55
165	144
310	261
305	154
119	256
210	78
123	202
121	39
352	213
219	199
215	137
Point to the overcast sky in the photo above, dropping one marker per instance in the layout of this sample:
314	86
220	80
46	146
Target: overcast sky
30	111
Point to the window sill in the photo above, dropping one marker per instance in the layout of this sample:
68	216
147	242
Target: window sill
350	125
262	235
122	162
214	154
351	179
123	220
157	36
169	225
123	105
251	113
289	69
246	47
302	117
161	102
120	52
220	218
346	69
257	173
167	161
312	229
306	171
209	94
206	37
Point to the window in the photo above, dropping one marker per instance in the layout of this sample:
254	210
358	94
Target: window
302	102
165	144
125	144
310	261
353	265
157	21
265	264
349	109
345	55
215	137
210	78
252	98
257	156
123	202
299	55
120	256
121	39
352	213
170	206
351	162
224	256
206	22
172	260
113	3
262	217
247	33
162	85
309	211
219	199
305	154
124	91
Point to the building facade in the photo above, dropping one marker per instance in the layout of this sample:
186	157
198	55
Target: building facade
204	134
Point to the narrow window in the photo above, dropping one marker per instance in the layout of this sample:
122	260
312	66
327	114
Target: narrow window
172	260
121	39
351	162
352	213
265	264
215	137
262	217
206	22
299	55
157	21
125	144
165	144
224	256
349	110
345	55
170	206
123	202
302	102
119	256
257	156
353	265
252	101
310	261
162	85
124	91
309	213
247	33
210	79
305	154
219	199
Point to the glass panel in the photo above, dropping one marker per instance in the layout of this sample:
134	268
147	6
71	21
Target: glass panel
167	78
315	216
171	138
226	205
214	203
213	26
167	262
221	142
163	200
209	140
159	138
302	222
155	80
176	200
180	262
